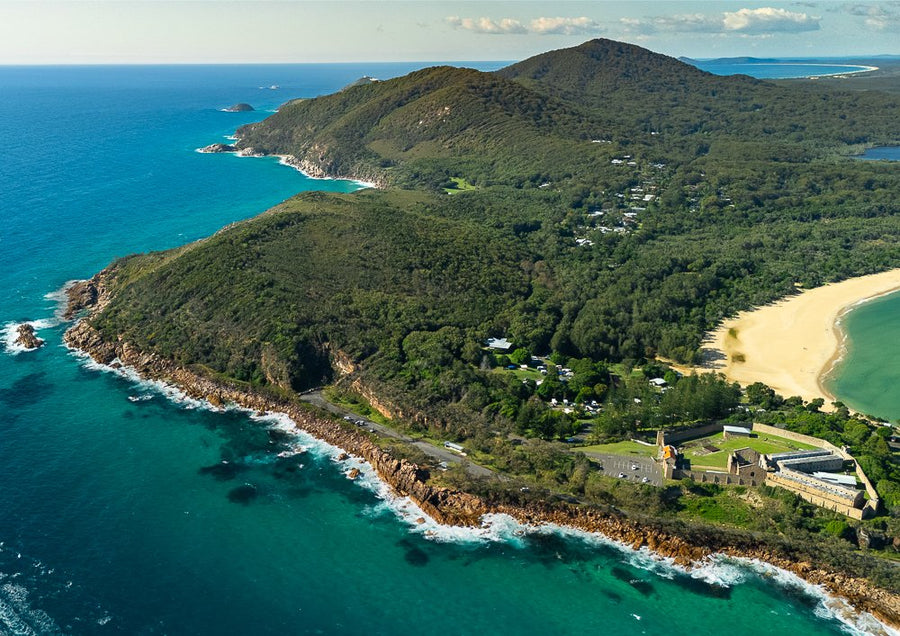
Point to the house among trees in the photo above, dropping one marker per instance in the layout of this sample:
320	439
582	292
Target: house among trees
499	344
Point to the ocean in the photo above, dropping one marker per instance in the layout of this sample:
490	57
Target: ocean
126	509
865	378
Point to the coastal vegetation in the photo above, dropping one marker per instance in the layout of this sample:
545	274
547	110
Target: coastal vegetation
598	207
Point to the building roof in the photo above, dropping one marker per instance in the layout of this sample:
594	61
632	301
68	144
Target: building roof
742	430
499	343
798	455
836	478
818	484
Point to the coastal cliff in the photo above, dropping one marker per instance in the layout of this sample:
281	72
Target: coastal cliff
448	506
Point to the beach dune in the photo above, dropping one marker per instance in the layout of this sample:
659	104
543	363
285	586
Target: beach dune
791	344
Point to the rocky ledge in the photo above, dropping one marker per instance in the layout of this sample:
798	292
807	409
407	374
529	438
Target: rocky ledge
218	147
27	338
314	169
453	507
239	108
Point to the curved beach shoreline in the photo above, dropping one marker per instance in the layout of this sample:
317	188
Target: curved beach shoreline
791	345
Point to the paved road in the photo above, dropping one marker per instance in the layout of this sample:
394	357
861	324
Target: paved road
435	452
614	465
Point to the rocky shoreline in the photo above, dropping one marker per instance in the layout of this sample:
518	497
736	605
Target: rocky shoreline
444	505
311	169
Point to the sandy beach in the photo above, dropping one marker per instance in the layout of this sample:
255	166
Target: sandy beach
789	345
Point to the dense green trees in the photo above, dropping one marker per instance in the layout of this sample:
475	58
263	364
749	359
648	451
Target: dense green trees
608	206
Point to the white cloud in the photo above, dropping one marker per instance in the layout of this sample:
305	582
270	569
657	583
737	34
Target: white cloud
487	25
880	17
769	20
538	26
687	23
565	26
765	21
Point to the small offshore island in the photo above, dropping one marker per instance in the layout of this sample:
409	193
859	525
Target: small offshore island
507	310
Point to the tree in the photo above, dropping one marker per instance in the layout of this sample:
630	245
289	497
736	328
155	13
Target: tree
519	356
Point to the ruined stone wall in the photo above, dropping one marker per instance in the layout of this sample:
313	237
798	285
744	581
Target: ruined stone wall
722	479
798	437
664	438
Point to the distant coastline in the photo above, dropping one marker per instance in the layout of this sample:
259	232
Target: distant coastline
754	67
794	344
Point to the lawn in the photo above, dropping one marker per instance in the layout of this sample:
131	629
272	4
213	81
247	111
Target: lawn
762	443
620	448
723	507
522	374
460	185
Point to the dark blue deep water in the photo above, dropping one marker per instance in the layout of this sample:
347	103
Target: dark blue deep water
117	513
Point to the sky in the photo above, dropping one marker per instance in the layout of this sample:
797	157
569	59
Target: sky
262	31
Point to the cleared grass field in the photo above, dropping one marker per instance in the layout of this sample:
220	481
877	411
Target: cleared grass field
700	457
620	448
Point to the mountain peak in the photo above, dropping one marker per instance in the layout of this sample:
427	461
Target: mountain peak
599	66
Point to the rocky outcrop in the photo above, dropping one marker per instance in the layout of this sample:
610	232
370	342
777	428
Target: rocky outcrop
239	108
26	337
217	147
453	507
89	295
318	168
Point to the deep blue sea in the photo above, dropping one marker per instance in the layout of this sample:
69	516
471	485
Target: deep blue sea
117	513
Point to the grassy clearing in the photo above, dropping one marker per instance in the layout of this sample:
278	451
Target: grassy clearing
724	507
621	448
460	185
522	374
694	450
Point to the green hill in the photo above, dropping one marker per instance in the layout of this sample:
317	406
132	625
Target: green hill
602	204
599	206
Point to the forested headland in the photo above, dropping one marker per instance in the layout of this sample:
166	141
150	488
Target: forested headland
599	207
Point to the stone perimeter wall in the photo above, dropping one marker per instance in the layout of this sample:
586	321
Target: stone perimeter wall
871	506
873	502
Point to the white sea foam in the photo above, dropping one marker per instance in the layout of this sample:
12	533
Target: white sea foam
17	615
9	333
828	607
169	391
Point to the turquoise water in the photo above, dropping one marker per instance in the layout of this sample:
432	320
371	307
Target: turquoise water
117	513
886	153
866	377
779	69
